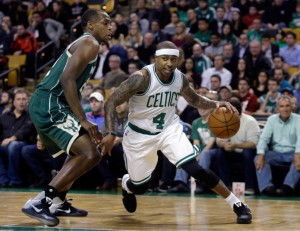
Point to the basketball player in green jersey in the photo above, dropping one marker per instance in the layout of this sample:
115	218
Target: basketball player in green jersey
60	119
153	125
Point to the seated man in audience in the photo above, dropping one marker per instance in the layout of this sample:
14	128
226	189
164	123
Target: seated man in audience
249	100
242	144
279	143
268	101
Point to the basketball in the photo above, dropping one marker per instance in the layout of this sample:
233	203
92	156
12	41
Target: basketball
223	123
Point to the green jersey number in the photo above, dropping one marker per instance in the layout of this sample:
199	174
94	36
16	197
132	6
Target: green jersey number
159	120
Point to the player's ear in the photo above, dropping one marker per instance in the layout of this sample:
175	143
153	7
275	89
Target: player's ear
90	25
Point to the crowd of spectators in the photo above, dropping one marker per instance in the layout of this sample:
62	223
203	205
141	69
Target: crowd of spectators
245	52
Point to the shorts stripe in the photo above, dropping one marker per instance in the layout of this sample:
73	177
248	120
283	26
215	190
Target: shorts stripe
141	181
185	159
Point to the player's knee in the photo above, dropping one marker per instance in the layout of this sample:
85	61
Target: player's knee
93	157
138	189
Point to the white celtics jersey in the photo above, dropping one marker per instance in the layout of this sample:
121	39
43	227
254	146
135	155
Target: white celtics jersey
153	110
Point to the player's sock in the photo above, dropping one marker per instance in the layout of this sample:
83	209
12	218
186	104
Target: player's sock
50	193
232	199
124	183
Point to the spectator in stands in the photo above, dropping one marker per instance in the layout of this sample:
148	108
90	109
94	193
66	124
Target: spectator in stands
103	66
251	15
37	27
204	10
25	43
238	26
122	27
275	148
217	69
6	102
189	70
87	90
161	13
180	35
132	56
262	84
225	93
256	30
241	50
215	47
277	15
132	67
268	102
42	9
96	115
230	61
59	14
243	144
216	24
115	76
134	37
227	35
142	23
155	29
295	107
291	53
7	32
77	9
142	10
192	23
203	32
248	99
256	61
170	29
16	130
270	50
229	9
278	62
279	76
39	161
201	61
215	82
147	49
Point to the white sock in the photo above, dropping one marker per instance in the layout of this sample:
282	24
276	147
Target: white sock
124	183
232	199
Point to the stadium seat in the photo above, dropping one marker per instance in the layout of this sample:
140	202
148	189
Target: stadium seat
15	61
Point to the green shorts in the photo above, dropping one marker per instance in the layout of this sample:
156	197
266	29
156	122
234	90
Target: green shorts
57	126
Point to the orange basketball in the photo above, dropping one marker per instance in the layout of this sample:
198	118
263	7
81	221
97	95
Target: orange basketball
223	123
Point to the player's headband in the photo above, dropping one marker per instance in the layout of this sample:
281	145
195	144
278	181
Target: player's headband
164	51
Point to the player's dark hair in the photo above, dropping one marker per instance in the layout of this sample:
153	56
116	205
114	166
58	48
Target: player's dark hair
89	15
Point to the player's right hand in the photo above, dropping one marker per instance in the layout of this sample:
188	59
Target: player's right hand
107	144
93	131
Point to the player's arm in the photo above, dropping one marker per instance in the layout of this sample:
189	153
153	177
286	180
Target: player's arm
194	99
202	102
137	82
85	52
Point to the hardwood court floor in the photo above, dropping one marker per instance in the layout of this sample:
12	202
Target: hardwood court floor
155	212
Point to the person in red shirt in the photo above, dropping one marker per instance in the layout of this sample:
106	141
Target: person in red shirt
249	100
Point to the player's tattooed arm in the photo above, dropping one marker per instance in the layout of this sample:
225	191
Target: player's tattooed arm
194	99
137	82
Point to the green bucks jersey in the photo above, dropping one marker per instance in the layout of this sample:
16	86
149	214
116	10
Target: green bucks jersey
154	109
51	82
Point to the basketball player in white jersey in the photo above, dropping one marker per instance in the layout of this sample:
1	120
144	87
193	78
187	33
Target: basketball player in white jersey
153	125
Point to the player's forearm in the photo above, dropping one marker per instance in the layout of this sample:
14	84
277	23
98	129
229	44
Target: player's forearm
110	114
203	103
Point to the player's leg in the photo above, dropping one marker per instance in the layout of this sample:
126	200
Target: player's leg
140	159
180	152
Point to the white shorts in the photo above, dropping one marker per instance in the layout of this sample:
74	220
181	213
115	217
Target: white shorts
141	151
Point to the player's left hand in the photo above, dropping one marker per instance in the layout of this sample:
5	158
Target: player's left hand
228	106
107	144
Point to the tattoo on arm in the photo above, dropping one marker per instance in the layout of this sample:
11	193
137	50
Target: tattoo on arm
134	84
194	99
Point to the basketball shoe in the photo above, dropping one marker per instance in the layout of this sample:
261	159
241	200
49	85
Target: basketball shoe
129	199
67	210
37	210
243	213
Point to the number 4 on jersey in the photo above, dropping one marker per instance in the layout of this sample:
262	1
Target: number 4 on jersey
159	120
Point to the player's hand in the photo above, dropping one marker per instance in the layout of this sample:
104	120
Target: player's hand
107	144
260	162
93	131
228	106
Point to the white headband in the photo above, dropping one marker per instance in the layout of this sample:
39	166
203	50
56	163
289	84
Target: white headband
167	52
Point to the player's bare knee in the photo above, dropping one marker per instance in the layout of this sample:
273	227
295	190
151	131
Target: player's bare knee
93	156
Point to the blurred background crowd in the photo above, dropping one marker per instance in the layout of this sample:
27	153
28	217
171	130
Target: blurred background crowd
243	51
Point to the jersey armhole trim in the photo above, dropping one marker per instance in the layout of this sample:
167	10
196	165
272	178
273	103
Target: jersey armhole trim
149	84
